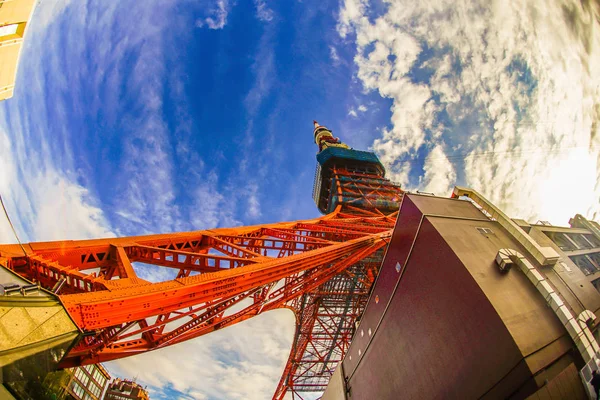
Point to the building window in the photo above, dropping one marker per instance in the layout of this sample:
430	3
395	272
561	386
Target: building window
561	240
7	30
580	241
77	390
85	380
593	240
98	377
12	31
595	259
585	264
596	284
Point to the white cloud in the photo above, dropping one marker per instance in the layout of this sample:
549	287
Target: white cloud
153	273
253	210
42	191
263	12
353	112
217	18
144	182
515	86
263	69
351	12
46	12
439	175
212	209
243	361
245	186
334	55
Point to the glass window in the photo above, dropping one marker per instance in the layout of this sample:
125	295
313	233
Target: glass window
580	241
77	389
99	378
596	284
592	239
8	29
595	260
584	263
85	381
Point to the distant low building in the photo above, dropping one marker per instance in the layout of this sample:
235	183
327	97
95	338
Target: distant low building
88	382
81	383
579	246
123	389
14	17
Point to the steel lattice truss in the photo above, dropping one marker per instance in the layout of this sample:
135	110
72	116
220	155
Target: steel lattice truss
322	269
328	318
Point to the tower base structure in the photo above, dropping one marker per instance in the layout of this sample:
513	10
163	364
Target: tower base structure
449	318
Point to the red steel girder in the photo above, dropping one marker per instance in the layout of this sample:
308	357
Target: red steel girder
129	315
321	269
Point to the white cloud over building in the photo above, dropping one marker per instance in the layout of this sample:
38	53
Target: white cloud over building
514	85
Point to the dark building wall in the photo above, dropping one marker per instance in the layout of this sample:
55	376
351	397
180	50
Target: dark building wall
534	327
525	313
444	322
447	340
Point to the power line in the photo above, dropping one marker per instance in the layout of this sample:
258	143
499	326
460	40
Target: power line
493	152
12	226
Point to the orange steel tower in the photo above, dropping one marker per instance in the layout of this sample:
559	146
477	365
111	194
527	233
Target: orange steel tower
321	269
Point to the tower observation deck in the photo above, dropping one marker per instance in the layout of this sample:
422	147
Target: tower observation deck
321	269
350	178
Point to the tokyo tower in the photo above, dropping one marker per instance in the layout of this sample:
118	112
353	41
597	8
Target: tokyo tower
321	269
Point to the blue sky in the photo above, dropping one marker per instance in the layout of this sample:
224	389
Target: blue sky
137	117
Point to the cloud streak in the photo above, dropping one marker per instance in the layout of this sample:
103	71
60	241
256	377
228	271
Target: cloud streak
243	361
263	12
217	18
42	188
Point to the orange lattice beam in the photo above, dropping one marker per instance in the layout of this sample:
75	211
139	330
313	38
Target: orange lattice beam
257	268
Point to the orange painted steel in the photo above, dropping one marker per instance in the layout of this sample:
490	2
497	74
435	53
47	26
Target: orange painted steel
321	269
217	269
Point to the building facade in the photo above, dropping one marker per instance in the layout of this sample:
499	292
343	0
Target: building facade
124	389
81	383
579	245
88	382
14	18
470	303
